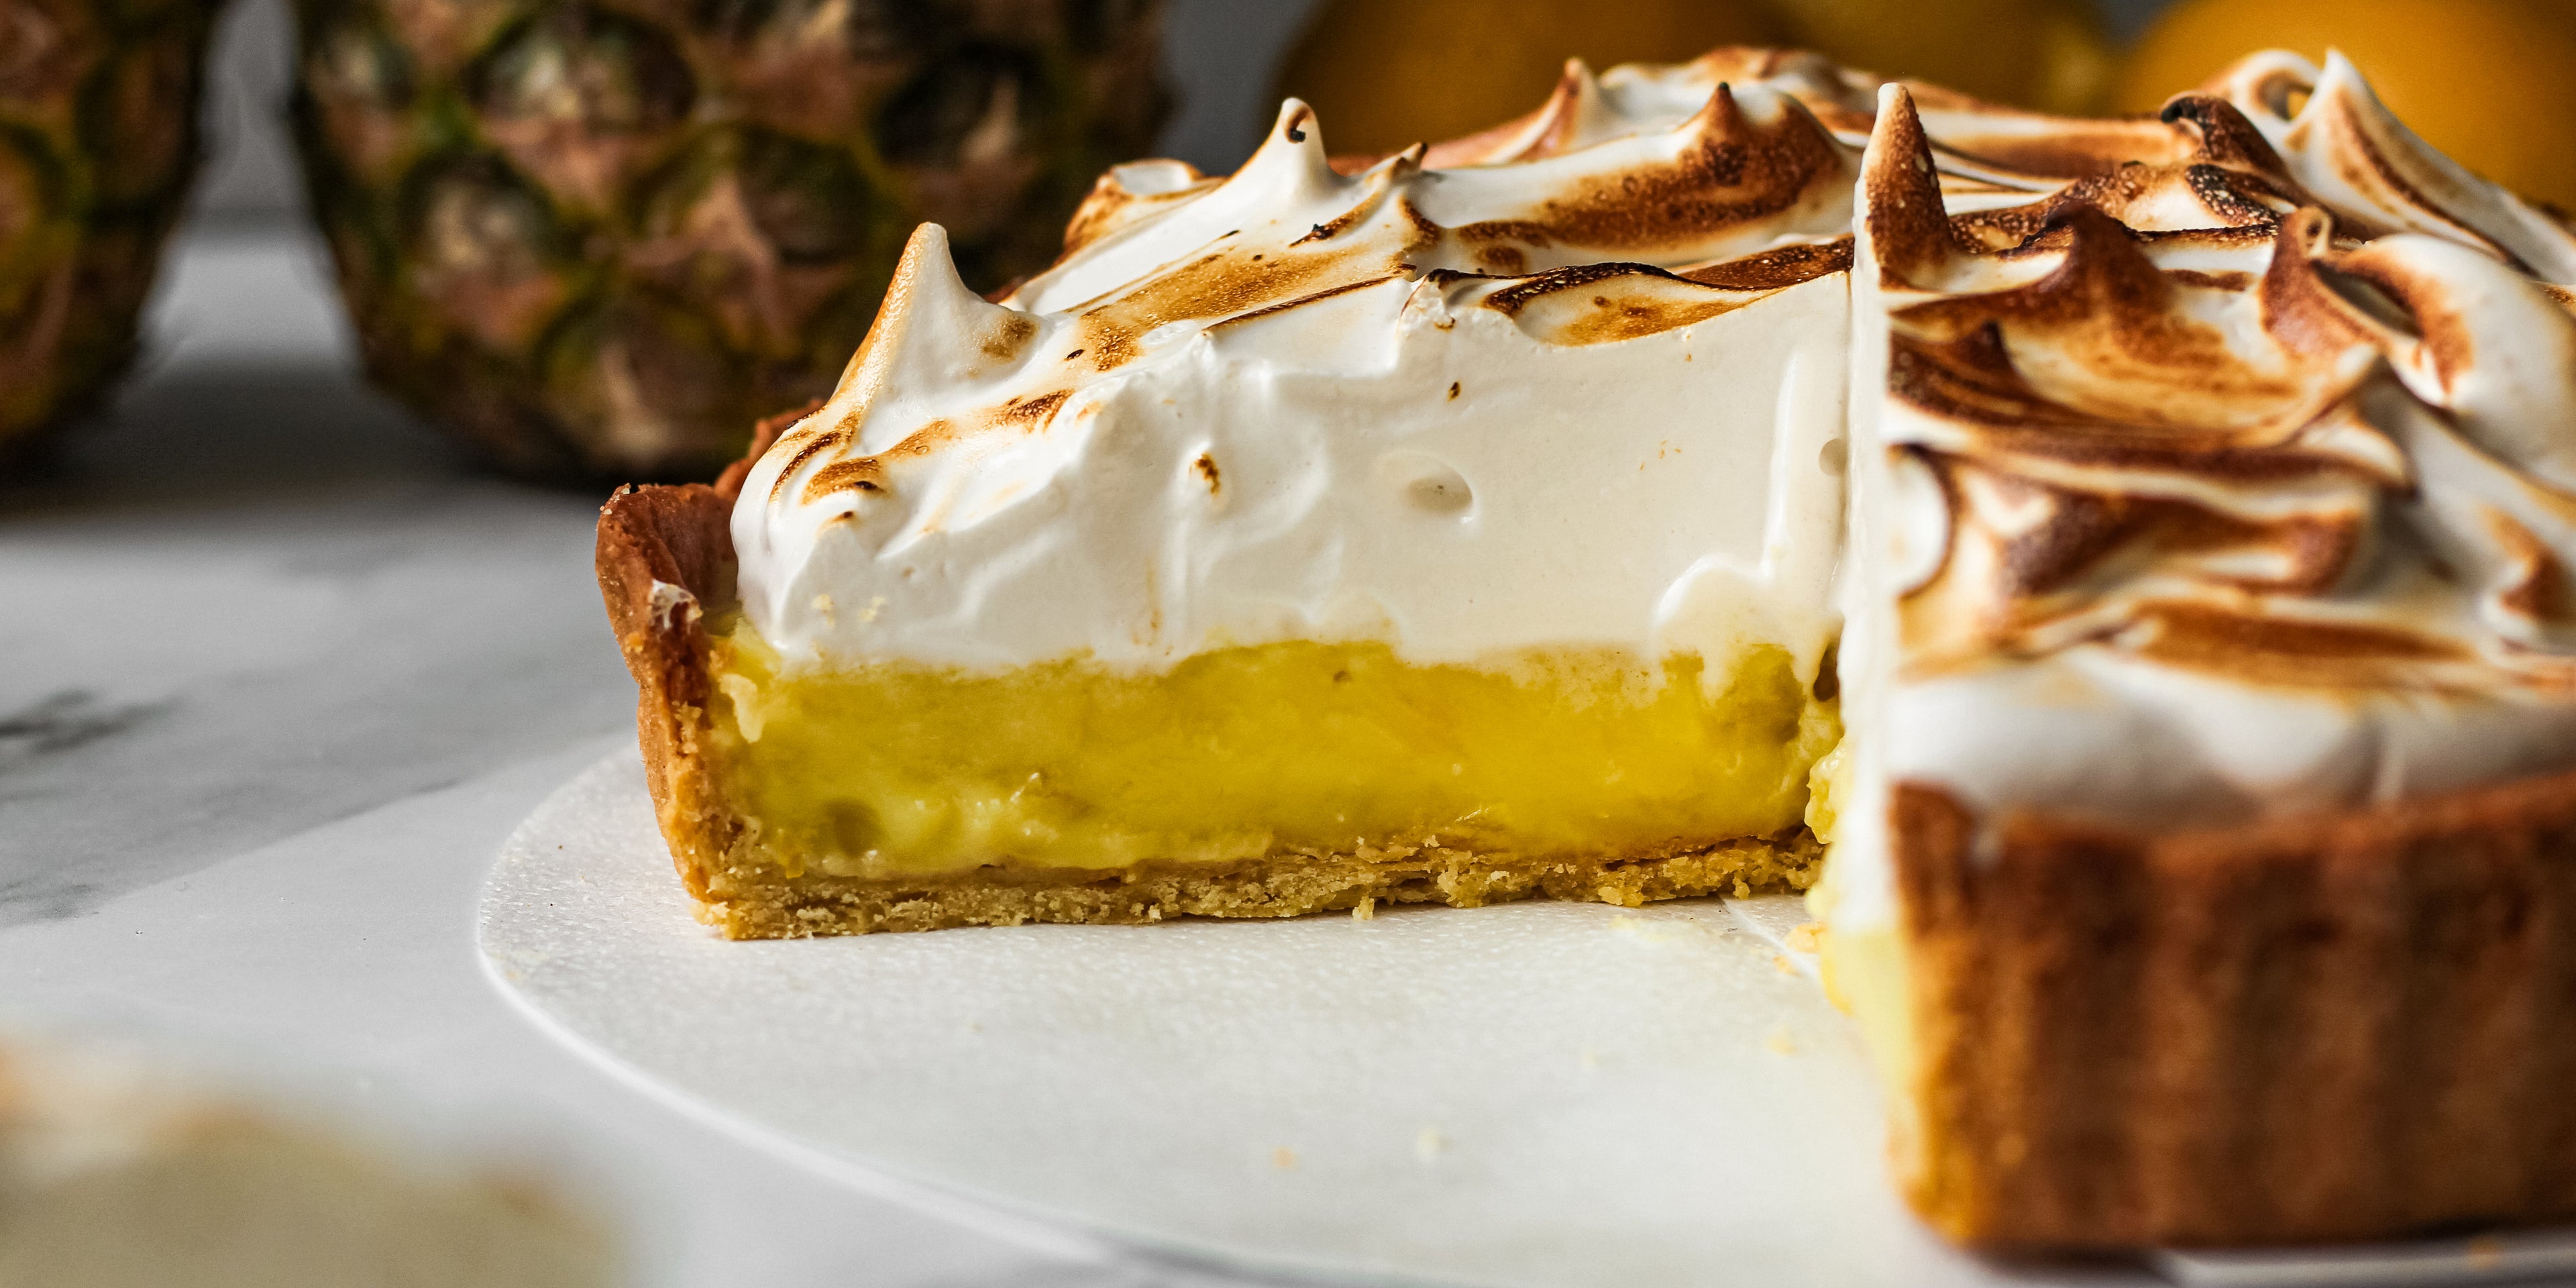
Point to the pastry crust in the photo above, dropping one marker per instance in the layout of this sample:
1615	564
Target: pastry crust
665	557
2314	1029
666	563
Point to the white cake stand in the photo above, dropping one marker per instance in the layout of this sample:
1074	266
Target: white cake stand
1539	1094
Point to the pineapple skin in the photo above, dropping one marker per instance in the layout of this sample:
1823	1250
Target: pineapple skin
98	144
600	240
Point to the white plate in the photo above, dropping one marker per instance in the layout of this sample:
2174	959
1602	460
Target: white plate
1540	1094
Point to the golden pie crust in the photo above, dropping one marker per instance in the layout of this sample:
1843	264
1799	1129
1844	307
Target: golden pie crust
2306	1030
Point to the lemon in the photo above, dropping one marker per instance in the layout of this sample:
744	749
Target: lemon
2492	83
1382	74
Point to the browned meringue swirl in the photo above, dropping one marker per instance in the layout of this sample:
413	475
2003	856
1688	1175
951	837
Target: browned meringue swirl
2180	410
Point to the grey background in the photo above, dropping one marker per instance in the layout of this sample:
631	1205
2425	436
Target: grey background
1220	53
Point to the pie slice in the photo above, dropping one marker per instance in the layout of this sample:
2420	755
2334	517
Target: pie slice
2203	862
1302	540
1457	525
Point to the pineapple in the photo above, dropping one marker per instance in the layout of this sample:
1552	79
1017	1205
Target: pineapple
98	140
602	238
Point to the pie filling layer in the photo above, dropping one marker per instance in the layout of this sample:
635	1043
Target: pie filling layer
901	769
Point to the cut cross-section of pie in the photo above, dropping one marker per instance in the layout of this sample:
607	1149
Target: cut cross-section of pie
1301	540
2203	861
1469	524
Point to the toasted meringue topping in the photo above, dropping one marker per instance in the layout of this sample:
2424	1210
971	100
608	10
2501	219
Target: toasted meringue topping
2341	144
1583	394
1650	98
2225	453
1981	146
2177	522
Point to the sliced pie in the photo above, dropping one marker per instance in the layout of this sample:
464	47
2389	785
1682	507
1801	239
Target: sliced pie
1301	540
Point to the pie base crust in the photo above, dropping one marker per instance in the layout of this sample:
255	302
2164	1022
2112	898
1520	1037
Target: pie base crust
666	563
2343	1027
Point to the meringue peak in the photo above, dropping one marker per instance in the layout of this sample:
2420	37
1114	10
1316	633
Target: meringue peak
1574	116
1906	222
1345	348
932	329
2342	144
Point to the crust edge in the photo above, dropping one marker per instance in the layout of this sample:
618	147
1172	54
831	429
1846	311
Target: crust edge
2332	1028
758	903
665	559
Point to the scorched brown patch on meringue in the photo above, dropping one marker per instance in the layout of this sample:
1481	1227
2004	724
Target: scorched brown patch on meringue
1777	269
814	444
2104	334
1972	388
1218	285
2539	591
861	474
868	473
2297	653
1006	339
1733	173
1301	301
1111	205
2047	537
1604	303
1981	133
1028	413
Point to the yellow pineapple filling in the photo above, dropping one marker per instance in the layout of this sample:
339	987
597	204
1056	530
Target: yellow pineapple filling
901	768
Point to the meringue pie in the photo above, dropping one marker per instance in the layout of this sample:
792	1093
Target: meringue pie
1308	538
1471	524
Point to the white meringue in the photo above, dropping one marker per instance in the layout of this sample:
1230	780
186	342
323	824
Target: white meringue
1292	405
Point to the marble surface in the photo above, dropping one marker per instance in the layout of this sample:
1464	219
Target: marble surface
278	675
